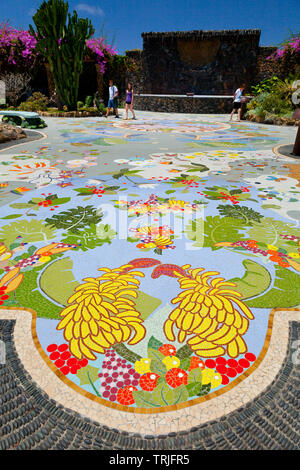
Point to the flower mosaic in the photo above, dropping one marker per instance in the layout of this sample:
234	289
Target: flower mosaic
38	173
179	127
194	133
153	274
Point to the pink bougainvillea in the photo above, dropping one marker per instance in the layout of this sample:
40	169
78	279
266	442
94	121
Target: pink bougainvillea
292	47
101	50
17	47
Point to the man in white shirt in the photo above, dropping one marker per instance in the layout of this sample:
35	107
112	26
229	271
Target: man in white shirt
237	102
113	99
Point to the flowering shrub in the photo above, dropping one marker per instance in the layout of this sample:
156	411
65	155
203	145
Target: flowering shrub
290	48
273	98
17	47
36	102
265	86
101	50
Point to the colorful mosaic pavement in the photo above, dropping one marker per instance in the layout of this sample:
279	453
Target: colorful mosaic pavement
154	260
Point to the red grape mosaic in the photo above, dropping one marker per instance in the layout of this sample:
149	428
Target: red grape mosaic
117	374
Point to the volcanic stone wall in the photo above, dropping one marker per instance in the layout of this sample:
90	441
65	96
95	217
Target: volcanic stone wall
199	62
134	70
180	104
266	68
288	65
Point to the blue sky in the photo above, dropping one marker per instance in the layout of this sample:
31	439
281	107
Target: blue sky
127	19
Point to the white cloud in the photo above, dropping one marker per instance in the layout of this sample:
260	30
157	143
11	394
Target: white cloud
32	12
91	10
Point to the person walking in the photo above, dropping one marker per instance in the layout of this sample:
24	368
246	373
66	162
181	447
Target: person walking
113	99
129	101
237	102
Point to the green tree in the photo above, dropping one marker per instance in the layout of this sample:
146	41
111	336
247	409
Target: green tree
61	39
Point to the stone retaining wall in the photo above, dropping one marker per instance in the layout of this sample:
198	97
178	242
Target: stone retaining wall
70	114
265	68
134	70
167	104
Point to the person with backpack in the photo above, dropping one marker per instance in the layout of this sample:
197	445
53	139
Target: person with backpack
113	99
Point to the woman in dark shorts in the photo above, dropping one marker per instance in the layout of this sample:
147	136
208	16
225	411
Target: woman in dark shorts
237	102
129	101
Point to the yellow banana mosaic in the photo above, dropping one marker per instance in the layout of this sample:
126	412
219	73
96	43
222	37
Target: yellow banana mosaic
101	314
211	313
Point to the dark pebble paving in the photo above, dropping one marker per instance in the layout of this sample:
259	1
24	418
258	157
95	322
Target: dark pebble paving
29	419
31	136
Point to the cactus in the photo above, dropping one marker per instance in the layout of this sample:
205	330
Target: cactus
61	39
89	101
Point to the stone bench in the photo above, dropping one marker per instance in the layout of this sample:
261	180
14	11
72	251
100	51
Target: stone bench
25	119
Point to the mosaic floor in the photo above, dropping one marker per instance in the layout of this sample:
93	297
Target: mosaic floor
150	272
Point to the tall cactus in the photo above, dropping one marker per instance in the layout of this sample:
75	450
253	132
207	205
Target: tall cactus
62	41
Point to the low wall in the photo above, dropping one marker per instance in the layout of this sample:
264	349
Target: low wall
184	104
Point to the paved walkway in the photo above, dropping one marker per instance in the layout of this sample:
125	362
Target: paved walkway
149	278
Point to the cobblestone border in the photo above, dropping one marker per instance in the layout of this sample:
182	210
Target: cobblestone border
215	405
29	419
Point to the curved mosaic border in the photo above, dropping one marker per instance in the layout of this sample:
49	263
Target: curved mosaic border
147	422
276	151
162	409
